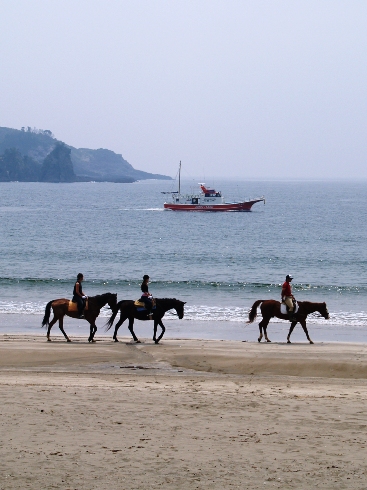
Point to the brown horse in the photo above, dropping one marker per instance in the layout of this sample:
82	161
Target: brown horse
129	311
60	308
270	308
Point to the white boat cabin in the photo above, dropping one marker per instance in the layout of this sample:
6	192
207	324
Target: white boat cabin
206	197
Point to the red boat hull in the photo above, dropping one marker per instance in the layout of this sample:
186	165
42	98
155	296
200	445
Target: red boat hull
234	206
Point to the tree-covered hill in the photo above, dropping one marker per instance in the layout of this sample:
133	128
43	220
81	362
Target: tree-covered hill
15	166
23	153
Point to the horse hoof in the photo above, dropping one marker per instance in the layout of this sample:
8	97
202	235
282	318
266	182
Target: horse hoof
259	340
115	340
137	342
68	340
48	339
289	342
156	341
268	340
311	342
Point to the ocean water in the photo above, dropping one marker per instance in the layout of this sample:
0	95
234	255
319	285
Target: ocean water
219	263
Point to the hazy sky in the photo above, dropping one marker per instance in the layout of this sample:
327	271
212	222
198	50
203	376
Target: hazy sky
258	88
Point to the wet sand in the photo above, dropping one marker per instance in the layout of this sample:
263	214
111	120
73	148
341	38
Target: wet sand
186	414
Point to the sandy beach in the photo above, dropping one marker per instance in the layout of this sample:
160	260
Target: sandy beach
186	414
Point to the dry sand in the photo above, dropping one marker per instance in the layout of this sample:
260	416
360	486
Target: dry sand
185	414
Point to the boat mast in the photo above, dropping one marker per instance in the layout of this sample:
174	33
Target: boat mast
179	178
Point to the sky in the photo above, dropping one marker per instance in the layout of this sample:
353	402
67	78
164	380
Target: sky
258	89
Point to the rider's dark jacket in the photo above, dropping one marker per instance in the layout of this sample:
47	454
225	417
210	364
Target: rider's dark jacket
78	299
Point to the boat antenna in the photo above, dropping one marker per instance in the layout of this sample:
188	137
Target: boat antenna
179	178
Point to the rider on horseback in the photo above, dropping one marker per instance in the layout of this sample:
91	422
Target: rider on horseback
78	295
146	297
288	298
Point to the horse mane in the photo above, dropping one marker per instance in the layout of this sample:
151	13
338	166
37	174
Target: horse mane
102	295
313	305
168	299
312	302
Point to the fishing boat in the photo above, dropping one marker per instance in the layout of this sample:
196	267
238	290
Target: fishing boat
206	200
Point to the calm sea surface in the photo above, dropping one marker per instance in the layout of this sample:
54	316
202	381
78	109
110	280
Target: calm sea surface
218	263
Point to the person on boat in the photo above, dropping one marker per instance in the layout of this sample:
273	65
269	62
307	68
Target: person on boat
146	297
78	295
287	296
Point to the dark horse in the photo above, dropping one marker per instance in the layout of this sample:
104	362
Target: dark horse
128	310
270	308
60	309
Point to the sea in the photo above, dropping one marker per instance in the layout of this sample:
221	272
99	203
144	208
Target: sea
218	263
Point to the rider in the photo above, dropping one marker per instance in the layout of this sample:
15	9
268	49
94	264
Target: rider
146	297
78	295
287	296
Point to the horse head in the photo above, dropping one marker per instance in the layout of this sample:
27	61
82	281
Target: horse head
112	300
179	307
324	311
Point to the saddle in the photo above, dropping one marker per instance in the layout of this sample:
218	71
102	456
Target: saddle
284	309
74	306
140	306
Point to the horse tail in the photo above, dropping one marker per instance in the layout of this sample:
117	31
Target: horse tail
47	314
253	312
109	323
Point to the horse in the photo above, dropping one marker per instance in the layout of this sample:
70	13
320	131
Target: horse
60	308
128	310
270	308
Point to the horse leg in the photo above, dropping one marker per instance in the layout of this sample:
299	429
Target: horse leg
160	323
262	325
261	332
50	325
117	326
61	327
155	331
293	324
92	328
265	332
92	331
131	328
303	323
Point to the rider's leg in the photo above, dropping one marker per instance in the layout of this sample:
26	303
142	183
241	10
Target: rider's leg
150	308
148	304
81	305
289	302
